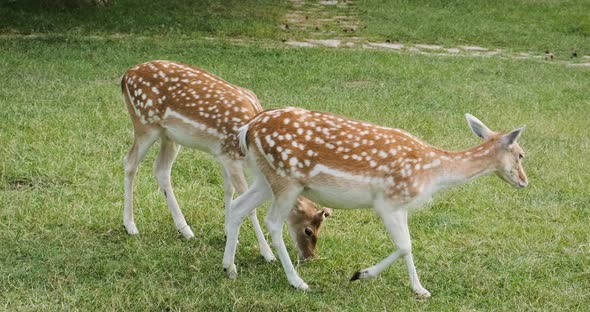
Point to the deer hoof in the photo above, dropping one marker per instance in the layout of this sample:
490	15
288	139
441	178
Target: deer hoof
422	293
232	271
131	228
301	286
186	232
267	254
360	274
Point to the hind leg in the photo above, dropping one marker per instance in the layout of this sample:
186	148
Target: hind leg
228	192
162	169
142	143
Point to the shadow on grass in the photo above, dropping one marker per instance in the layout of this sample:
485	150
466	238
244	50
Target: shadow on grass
208	17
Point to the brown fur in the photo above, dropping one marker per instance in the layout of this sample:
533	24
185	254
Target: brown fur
294	141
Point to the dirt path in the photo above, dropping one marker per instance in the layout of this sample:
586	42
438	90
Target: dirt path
321	19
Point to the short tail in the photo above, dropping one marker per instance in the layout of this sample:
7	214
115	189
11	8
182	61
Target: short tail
125	90
243	138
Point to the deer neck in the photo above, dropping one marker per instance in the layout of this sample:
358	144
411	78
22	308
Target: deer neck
459	167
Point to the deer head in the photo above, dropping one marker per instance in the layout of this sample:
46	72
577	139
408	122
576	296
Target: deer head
305	222
509	155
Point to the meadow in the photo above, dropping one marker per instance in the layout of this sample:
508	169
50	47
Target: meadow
484	246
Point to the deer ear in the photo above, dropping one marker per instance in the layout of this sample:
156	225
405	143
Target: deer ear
511	137
302	204
478	127
324	213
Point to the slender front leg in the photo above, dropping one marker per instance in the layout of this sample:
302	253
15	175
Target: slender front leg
162	169
396	223
131	162
235	174
278	213
414	280
265	250
241	207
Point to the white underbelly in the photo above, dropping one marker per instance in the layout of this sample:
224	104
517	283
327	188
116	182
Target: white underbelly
342	195
193	138
340	189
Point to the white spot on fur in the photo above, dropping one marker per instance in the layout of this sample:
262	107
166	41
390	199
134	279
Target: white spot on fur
293	161
270	141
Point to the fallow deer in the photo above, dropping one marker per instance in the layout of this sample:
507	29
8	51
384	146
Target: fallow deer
344	163
187	106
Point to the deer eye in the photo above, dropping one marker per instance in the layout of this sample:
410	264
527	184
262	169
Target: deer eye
308	231
520	156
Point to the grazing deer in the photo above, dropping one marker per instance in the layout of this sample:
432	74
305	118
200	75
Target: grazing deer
350	164
185	105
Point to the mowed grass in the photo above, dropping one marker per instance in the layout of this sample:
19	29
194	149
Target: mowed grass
484	246
529	25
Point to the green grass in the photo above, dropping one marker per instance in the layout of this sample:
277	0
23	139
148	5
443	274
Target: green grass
484	246
232	18
560	26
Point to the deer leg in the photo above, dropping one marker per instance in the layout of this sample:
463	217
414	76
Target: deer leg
162	169
258	193
141	145
396	223
262	243
236	173
282	203
228	193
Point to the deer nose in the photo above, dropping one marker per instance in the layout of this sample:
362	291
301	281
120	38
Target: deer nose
307	255
523	180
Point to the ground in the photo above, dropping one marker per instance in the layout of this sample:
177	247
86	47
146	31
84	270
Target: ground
484	246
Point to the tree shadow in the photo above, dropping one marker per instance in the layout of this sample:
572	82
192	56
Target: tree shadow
164	17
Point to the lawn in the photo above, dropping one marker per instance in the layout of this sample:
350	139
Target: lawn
529	25
483	246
